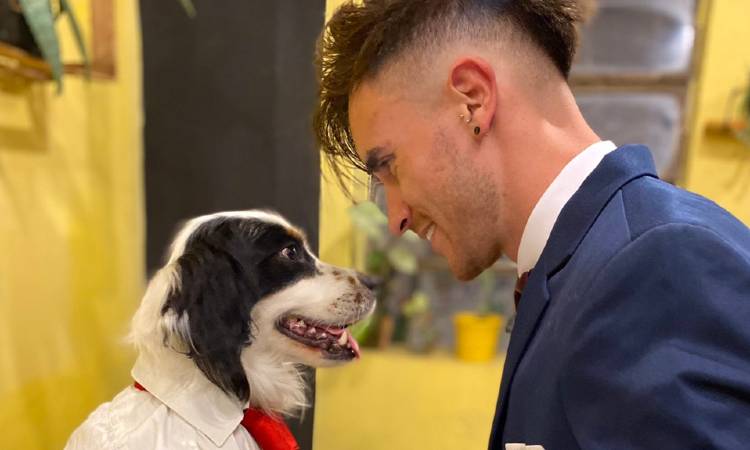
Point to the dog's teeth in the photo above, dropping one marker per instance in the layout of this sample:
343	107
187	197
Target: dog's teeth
322	335
342	340
302	323
311	332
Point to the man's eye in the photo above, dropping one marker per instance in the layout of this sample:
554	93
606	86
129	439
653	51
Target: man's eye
291	252
384	169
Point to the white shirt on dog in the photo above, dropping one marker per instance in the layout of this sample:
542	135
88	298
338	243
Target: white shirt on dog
180	409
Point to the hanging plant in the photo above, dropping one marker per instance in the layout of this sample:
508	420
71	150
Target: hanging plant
40	17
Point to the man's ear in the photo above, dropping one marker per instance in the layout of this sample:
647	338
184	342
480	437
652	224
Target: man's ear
473	86
207	316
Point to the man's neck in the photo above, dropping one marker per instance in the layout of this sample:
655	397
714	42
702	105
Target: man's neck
528	174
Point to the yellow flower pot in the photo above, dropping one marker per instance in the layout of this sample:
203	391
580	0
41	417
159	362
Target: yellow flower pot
476	335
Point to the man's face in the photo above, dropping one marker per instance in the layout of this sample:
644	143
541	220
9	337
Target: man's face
434	181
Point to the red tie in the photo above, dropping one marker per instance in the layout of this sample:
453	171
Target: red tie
271	433
520	284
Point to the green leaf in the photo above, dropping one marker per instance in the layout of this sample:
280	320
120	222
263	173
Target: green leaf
65	6
363	328
189	8
367	217
369	212
419	303
38	15
376	262
402	259
411	238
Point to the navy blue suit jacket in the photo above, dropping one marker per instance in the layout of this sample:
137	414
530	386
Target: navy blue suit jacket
633	331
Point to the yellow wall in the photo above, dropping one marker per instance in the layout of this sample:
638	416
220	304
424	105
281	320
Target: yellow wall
718	166
71	242
395	400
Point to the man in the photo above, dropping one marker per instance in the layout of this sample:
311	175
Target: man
633	329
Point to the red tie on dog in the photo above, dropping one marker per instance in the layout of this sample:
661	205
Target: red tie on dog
271	433
520	284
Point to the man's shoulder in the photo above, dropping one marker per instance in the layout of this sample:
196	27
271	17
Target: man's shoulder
652	226
651	204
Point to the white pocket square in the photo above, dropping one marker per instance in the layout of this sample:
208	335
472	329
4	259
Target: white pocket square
523	447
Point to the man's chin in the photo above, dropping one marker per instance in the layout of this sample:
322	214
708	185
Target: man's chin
463	271
466	269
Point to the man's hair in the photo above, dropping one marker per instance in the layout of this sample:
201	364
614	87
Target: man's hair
363	37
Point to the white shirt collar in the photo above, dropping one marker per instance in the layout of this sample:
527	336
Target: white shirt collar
545	213
177	382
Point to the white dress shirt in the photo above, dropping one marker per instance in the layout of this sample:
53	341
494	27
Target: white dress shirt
547	209
180	409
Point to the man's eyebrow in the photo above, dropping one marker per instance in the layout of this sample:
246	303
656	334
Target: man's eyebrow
372	158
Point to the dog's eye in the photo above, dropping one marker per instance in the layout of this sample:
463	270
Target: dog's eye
291	252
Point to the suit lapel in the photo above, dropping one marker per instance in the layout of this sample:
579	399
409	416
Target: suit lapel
530	309
576	218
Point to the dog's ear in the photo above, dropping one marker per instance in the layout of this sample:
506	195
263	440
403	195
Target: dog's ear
207	316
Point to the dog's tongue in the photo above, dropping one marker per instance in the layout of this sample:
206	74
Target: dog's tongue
353	342
335	331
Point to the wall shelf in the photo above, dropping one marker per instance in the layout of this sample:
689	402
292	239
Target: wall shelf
725	126
18	63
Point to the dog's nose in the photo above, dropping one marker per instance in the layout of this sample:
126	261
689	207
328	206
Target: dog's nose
368	281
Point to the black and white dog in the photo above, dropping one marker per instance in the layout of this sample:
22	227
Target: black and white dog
223	329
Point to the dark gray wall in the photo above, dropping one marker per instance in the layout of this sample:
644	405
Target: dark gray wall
228	97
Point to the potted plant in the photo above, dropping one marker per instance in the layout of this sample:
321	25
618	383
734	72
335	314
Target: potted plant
405	266
477	332
395	262
421	335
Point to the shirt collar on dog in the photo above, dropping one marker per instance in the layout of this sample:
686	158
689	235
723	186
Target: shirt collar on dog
544	215
271	433
178	383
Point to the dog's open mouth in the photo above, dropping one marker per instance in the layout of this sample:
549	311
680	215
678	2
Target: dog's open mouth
336	342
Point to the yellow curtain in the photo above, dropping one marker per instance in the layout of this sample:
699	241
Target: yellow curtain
71	241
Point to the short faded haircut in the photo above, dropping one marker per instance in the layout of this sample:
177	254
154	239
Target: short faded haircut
364	37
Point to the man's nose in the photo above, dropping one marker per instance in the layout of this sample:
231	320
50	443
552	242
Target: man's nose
399	213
